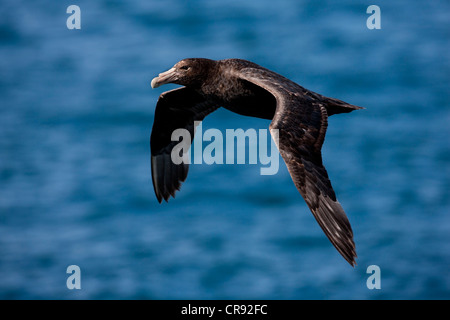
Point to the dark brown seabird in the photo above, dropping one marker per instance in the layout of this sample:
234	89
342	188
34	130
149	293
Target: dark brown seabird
248	89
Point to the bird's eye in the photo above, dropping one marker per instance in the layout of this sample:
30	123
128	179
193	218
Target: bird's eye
184	67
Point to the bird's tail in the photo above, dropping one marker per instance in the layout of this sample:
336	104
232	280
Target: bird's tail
335	106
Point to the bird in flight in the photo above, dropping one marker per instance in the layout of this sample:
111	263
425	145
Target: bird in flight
299	116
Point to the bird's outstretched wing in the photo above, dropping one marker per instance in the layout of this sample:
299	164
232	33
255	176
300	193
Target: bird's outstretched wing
175	109
299	125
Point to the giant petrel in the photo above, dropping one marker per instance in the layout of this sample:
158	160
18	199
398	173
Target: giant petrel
300	115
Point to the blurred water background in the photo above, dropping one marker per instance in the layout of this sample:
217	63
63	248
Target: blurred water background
76	115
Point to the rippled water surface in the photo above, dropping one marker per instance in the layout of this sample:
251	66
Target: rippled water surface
75	118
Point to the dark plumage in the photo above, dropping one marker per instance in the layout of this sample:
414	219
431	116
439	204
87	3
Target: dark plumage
248	89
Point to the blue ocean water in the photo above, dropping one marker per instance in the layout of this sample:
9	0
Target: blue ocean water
76	115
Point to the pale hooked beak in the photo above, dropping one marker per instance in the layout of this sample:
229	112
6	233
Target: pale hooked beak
163	78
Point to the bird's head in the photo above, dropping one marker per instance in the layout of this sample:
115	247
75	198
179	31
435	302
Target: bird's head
187	72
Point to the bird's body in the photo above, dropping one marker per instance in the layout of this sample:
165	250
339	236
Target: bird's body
299	116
